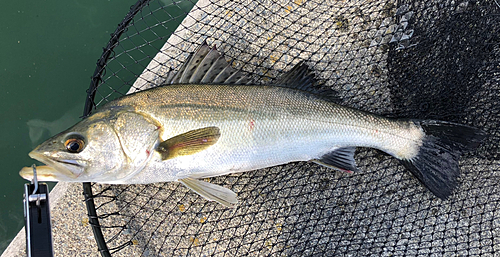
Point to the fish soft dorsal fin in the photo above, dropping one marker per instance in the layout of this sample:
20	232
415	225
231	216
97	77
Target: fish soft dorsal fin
211	191
300	77
207	66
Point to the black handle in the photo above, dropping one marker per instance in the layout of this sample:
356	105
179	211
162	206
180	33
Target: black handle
37	220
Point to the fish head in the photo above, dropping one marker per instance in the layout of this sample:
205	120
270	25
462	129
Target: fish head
89	151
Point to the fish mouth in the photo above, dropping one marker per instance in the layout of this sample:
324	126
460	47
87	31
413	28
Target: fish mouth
56	169
70	162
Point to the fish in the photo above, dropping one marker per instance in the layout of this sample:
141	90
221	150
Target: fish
207	119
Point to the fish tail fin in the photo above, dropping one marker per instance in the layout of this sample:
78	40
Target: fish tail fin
436	163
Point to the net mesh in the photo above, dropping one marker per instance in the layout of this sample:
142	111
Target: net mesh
407	59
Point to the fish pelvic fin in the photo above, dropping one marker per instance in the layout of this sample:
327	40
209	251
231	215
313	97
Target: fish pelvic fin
436	163
341	159
211	191
188	143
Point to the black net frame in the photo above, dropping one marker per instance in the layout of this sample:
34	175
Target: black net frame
406	59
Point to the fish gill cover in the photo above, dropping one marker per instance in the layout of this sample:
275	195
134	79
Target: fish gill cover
406	59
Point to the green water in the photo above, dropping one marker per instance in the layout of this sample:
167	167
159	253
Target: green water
48	51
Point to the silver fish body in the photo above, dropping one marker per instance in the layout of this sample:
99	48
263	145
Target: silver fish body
256	131
189	130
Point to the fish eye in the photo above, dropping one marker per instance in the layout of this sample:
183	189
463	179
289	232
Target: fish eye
74	144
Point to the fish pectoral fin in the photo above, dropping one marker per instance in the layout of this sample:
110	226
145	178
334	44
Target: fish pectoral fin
341	159
211	191
188	143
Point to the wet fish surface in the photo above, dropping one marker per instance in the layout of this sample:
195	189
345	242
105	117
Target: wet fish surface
205	121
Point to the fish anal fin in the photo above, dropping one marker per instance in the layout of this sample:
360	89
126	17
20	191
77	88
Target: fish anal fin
341	159
211	191
188	143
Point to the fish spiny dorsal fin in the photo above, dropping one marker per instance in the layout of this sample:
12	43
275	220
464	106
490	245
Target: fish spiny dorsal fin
207	66
188	68
302	78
